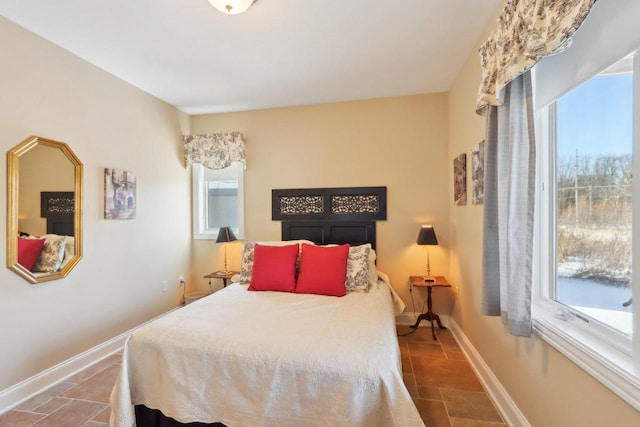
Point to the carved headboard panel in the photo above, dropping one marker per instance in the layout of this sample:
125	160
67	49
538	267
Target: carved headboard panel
342	204
58	207
330	215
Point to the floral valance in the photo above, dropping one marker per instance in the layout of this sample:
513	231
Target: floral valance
528	30
214	150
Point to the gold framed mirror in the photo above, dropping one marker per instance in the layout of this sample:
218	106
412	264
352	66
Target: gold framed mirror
44	209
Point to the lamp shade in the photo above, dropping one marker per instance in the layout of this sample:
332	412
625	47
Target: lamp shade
427	236
225	235
231	7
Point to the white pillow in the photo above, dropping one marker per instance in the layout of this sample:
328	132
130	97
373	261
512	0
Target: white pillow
69	250
373	271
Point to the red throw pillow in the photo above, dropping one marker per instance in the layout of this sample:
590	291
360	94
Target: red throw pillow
29	251
274	268
323	270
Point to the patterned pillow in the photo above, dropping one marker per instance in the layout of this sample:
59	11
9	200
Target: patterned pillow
358	268
52	254
248	256
246	265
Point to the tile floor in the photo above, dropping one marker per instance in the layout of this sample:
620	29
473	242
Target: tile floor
444	388
441	381
81	400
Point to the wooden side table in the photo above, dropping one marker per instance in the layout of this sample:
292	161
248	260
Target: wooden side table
220	275
430	316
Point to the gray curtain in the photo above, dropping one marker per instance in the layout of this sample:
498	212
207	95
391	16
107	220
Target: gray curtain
509	207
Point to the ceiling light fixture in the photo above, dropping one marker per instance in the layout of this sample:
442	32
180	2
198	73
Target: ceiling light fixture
231	7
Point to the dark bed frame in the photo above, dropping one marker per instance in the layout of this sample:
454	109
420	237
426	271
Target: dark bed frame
328	232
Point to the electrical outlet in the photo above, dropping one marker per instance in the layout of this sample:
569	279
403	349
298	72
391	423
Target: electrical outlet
164	286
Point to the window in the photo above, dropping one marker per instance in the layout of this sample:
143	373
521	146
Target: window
584	263
591	140
217	200
587	255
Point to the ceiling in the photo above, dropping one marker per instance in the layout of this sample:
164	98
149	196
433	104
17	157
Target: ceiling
279	53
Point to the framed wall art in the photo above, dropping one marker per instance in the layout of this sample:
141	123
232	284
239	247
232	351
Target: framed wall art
119	194
477	174
460	180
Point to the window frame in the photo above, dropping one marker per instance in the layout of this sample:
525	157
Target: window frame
199	204
611	358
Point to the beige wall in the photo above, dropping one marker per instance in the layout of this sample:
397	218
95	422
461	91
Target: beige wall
400	143
48	92
547	387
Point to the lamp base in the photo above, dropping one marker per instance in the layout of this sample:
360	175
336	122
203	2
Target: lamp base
429	279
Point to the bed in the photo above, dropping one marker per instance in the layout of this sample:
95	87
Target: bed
243	358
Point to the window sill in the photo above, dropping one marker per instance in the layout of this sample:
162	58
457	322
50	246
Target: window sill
205	236
611	367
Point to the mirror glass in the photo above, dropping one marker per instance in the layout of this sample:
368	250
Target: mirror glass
44	214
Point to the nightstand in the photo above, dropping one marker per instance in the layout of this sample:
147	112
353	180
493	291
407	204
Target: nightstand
430	316
224	276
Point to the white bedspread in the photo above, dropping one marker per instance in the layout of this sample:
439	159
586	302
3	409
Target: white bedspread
270	359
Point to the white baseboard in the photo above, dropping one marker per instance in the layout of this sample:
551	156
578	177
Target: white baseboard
24	390
30	387
507	407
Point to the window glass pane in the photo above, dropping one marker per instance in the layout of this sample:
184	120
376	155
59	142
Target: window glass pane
222	204
593	197
217	200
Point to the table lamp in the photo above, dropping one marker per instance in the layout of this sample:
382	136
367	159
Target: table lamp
225	235
427	237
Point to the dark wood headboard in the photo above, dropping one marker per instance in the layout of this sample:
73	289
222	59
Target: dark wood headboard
327	232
